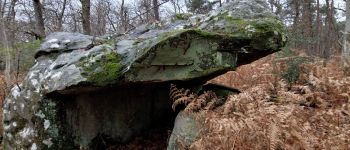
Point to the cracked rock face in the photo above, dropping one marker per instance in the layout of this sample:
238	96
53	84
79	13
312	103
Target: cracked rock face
83	87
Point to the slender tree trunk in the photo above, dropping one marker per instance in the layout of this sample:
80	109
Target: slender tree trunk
2	8
40	26
327	39
174	5
146	5
346	44
126	20
307	26
61	15
297	12
7	71
334	33
318	27
11	24
123	17
75	24
156	10
85	4
179	7
296	18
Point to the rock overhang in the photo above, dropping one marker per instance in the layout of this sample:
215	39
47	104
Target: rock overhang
201	47
247	36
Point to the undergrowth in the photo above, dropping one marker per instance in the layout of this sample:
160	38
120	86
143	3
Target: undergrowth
193	102
22	55
311	113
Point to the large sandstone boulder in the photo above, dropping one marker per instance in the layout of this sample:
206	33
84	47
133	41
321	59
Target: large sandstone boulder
83	90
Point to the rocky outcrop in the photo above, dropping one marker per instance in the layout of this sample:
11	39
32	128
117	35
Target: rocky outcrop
84	89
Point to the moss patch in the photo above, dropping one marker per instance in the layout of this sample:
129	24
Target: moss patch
104	71
182	16
105	40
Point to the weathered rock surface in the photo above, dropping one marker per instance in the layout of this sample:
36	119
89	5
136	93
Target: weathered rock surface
186	129
85	89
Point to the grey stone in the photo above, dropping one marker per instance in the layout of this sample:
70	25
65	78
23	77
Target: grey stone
64	41
186	129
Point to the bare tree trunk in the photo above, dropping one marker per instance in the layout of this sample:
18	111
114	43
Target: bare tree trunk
123	17
76	28
2	8
7	71
147	8
11	24
85	4
297	12
334	33
296	18
174	5
328	25
126	20
156	10
318	27
40	26
307	26
61	15
346	44
101	13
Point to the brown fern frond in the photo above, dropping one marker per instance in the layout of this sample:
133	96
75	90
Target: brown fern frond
180	96
202	101
207	100
273	137
183	100
175	92
211	105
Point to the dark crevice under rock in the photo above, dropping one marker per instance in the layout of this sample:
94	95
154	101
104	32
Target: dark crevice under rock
111	116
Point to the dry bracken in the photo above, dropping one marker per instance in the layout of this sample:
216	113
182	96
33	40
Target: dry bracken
180	96
193	103
314	113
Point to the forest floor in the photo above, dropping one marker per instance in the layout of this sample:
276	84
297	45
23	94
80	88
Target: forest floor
292	102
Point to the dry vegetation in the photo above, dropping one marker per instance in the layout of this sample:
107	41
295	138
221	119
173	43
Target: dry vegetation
270	113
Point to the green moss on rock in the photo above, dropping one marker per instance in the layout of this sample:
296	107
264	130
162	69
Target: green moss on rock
108	40
104	71
182	16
